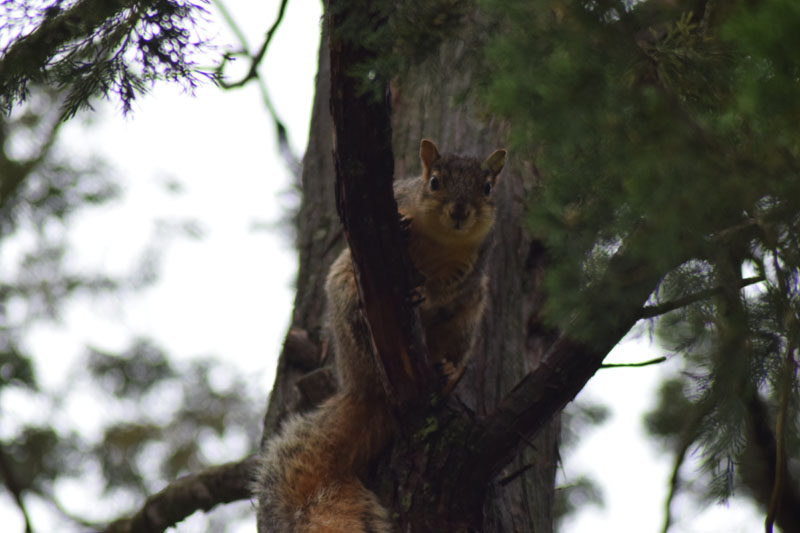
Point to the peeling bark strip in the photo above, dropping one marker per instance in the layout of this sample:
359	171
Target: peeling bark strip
362	148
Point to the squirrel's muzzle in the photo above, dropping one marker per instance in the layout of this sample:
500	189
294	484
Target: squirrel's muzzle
459	212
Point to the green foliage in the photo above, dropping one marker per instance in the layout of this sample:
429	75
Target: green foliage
154	420
38	183
15	367
39	455
399	34
576	496
91	48
578	490
580	417
637	125
158	422
165	437
667	131
670	421
131	373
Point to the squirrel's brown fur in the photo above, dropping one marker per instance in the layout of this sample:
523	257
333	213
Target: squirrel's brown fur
310	475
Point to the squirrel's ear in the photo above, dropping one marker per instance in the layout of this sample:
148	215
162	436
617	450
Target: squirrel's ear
428	154
495	162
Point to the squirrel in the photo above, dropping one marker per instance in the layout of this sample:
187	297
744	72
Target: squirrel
309	478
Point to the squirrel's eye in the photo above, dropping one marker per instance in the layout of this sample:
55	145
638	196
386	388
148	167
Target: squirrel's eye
434	183
487	188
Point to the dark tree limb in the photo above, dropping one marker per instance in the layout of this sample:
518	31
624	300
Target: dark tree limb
364	163
566	367
202	491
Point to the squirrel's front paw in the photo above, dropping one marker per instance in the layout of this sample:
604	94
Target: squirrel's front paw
448	370
449	374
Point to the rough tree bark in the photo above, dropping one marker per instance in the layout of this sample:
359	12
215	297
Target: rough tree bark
513	338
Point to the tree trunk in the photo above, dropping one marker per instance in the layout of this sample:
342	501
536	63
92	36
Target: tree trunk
513	338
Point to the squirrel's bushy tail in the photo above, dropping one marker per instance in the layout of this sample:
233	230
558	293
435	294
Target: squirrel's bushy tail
308	480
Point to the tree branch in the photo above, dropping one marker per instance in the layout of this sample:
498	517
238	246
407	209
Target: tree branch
364	161
565	368
14	172
790	371
786	385
764	443
255	60
650	311
99	47
491	443
656	361
202	491
688	437
25	59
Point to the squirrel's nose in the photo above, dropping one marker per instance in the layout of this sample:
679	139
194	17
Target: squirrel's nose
459	212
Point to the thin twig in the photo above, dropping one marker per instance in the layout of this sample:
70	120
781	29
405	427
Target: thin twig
688	437
290	158
655	361
788	380
650	311
255	60
780	438
514	475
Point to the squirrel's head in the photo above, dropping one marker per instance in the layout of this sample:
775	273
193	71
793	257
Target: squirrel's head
457	200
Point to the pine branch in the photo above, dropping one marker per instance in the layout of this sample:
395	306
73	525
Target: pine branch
30	53
88	50
201	491
25	59
650	311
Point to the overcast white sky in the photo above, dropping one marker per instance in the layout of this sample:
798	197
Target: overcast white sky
221	146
